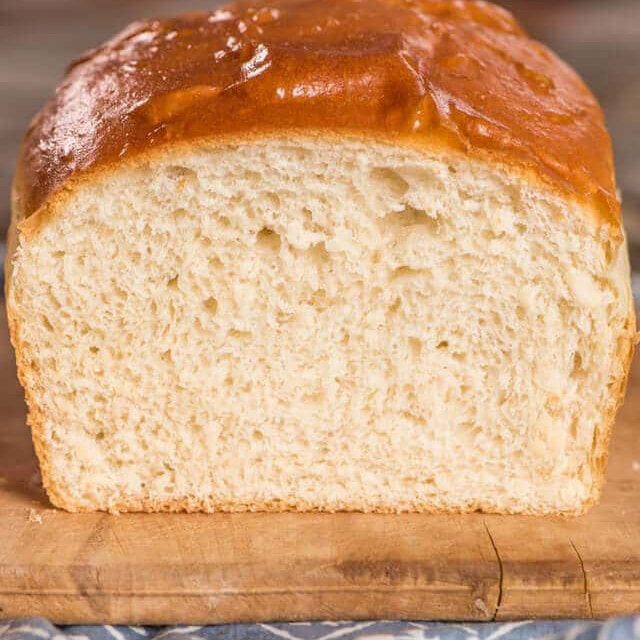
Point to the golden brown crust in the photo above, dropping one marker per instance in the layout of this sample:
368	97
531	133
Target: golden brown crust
462	73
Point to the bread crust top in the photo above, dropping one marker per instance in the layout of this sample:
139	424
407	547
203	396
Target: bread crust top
459	73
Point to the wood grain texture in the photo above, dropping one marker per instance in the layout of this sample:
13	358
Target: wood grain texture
167	568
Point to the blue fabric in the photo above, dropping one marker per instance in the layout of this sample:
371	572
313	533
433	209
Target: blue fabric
617	629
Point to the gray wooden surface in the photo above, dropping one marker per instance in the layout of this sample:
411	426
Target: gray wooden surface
601	38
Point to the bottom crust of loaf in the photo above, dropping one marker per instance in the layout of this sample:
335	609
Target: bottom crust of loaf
211	507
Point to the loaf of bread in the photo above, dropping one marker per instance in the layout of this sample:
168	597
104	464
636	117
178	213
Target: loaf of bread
321	255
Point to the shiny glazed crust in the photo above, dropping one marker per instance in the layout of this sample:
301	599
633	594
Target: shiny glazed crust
460	74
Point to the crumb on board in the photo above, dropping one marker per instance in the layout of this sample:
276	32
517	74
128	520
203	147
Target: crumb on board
635	465
3	481
34	516
481	606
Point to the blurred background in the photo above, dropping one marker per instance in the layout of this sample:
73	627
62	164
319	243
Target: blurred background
600	38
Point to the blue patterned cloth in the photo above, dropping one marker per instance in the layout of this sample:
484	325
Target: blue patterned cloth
616	629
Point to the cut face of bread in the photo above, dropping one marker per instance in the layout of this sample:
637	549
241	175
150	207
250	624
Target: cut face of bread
319	323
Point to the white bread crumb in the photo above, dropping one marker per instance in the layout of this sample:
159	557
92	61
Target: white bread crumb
319	324
34	516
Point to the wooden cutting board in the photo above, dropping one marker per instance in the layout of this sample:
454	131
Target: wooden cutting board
161	568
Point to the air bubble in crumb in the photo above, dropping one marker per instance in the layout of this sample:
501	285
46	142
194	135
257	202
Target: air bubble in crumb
34	516
635	465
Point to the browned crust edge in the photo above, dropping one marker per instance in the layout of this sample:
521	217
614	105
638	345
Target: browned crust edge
602	444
